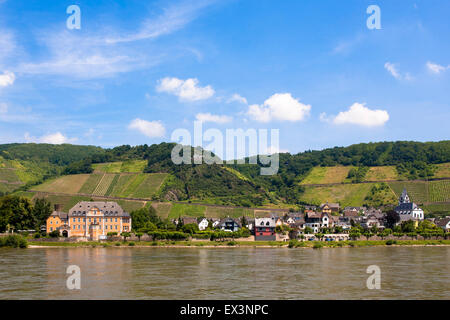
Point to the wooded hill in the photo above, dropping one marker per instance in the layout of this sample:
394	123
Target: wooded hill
351	175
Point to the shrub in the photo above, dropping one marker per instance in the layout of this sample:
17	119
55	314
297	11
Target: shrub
232	243
391	242
117	244
131	244
111	234
54	234
318	245
292	243
13	241
37	235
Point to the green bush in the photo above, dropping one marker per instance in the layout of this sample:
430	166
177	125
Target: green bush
391	242
318	245
131	244
292	243
13	241
54	234
37	235
232	243
117	244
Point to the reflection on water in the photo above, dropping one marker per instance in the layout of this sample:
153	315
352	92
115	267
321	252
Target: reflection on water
225	273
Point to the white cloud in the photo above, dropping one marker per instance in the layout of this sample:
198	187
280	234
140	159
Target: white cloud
360	115
280	106
7	79
53	138
172	19
186	90
436	68
105	53
208	117
151	129
392	68
272	150
237	98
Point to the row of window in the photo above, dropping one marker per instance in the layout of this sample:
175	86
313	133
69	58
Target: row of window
84	227
95	219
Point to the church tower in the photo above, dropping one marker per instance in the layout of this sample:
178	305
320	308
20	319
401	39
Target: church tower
404	198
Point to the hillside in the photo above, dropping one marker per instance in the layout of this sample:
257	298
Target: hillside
371	174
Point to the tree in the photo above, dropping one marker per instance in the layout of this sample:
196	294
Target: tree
139	235
141	218
308	230
17	212
125	235
392	218
41	211
190	228
408	226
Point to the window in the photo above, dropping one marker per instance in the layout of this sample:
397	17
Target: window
116	227
79	219
116	219
51	228
73	219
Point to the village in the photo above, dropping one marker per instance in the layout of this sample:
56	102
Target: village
94	221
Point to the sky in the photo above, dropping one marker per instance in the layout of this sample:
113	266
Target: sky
136	71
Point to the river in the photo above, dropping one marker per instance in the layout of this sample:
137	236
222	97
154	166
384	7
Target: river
225	273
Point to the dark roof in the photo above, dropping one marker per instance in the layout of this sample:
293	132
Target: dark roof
408	206
107	208
60	214
443	222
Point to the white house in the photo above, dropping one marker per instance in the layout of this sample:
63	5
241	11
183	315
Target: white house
203	224
408	210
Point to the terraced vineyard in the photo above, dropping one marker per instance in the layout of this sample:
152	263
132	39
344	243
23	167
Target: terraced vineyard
104	184
439	191
65	184
90	184
124	185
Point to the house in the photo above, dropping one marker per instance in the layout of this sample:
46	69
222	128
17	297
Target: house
329	207
356	209
350	213
444	224
310	208
250	224
203	224
344	223
265	229
90	219
215	222
370	222
316	220
408	210
229	224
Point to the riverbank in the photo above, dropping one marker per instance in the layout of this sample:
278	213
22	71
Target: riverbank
241	244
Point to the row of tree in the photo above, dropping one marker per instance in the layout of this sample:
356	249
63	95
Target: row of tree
18	213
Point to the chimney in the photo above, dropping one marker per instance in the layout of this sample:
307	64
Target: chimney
58	207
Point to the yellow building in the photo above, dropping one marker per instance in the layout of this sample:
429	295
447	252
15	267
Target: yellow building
90	219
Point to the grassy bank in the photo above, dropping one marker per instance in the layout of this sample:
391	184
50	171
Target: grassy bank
291	244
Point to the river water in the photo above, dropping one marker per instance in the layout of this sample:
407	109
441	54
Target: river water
225	273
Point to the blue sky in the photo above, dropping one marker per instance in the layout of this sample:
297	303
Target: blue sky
138	70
